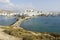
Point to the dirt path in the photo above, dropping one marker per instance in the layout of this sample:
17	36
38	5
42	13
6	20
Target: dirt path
4	36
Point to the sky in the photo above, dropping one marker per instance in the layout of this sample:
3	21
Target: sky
47	5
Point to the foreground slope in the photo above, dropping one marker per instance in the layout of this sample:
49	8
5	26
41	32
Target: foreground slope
4	36
17	33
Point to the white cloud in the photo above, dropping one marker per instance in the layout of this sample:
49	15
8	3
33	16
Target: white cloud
5	1
8	5
25	6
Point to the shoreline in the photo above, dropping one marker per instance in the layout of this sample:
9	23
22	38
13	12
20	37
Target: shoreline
36	31
26	33
24	20
20	20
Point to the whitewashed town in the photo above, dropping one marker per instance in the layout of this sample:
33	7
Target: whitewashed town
29	12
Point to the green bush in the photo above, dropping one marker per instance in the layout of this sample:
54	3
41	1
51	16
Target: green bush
55	35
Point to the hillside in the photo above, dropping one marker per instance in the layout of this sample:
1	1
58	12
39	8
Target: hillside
15	33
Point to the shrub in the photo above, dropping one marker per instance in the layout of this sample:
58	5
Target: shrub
27	38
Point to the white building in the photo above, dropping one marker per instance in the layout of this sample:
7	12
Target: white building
4	13
32	12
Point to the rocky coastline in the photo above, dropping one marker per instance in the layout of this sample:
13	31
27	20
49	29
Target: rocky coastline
19	33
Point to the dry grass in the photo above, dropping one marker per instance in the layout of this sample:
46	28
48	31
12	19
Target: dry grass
28	35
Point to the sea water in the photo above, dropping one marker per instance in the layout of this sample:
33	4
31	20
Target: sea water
6	21
42	24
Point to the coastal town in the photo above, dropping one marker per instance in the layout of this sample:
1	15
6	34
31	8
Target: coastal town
29	19
29	12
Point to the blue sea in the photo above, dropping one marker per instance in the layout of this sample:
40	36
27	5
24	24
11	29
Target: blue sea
42	24
36	24
6	21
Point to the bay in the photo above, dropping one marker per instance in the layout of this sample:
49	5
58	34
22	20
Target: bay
6	21
42	24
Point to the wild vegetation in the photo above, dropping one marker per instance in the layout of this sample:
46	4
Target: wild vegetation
28	35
